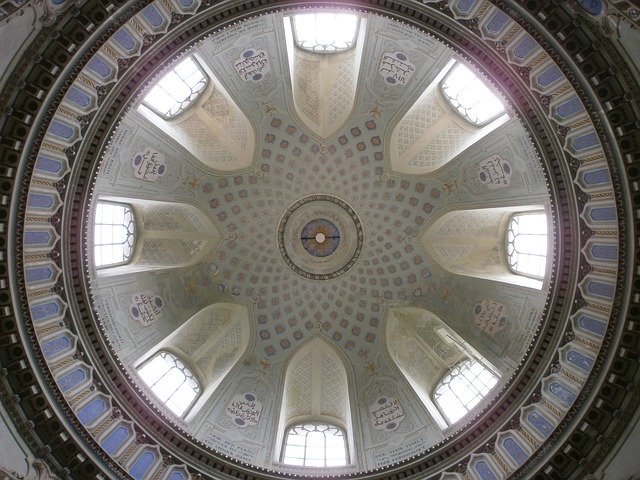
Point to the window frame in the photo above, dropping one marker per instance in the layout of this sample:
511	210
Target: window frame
464	116
508	242
194	376
315	423
296	42
191	103
458	367
134	234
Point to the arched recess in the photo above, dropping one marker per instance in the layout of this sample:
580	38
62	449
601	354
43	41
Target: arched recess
474	243
324	84
425	349
210	343
315	390
432	132
166	235
212	127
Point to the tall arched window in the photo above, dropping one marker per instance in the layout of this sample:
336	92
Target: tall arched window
527	244
315	445
325	32
171	381
177	89
468	94
462	388
113	235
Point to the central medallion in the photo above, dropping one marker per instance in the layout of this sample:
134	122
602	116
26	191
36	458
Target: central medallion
320	237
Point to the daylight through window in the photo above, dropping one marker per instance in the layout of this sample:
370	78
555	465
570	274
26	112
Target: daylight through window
177	89
171	381
325	32
315	445
527	244
462	388
114	234
469	95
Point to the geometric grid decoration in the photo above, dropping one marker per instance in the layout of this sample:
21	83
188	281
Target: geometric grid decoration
114	234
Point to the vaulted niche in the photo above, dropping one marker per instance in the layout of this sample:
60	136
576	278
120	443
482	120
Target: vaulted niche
324	65
506	244
442	367
132	235
190	105
315	402
455	111
199	354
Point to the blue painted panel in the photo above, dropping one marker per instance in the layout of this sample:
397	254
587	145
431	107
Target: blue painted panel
601	289
585	142
524	47
549	76
125	40
58	2
580	360
603	214
41	200
592	325
112	442
92	411
37	237
61	129
178	476
77	96
152	14
562	393
72	379
142	465
485	471
56	346
99	67
515	451
186	3
569	107
49	165
466	5
44	311
38	274
604	252
597	177
592	7
497	22
540	423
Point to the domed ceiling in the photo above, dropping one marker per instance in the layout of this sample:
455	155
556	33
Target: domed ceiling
321	237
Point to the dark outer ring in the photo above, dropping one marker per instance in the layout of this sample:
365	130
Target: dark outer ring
39	429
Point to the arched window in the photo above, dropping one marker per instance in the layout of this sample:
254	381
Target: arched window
315	445
527	244
462	388
171	381
177	89
325	32
468	94
113	235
